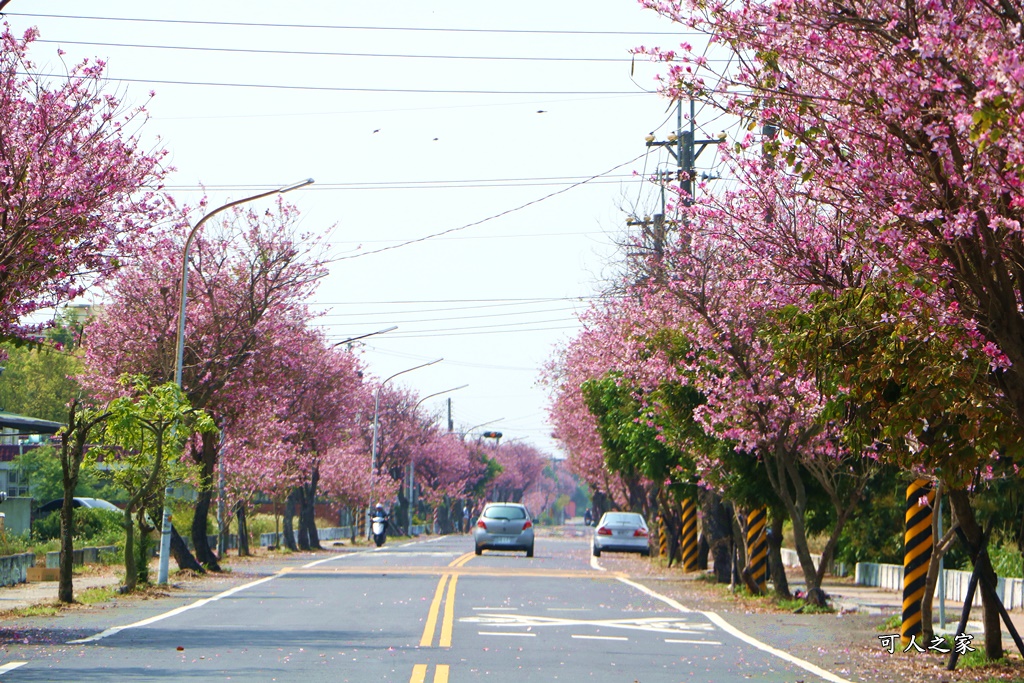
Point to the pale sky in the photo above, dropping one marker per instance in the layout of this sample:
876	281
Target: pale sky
491	106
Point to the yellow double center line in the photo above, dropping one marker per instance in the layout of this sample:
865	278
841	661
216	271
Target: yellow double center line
419	674
449	607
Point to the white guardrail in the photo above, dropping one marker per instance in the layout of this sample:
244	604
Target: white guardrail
890	577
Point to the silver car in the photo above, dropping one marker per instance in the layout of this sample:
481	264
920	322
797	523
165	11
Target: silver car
504	526
624	532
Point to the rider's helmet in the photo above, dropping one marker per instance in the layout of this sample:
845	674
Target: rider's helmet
380	507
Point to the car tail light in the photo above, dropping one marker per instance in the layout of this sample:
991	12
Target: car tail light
481	525
640	532
527	525
604	531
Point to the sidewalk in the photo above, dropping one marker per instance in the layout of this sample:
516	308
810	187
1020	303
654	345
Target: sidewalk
849	597
45	592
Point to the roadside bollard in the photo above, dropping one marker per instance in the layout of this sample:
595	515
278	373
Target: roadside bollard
757	548
688	535
662	537
917	552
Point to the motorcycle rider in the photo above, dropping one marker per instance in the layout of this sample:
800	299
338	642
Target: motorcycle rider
379	511
380	516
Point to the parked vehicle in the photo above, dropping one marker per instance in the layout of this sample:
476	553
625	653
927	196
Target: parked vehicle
624	532
379	525
504	526
78	503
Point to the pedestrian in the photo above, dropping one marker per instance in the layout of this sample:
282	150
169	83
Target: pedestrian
588	517
465	519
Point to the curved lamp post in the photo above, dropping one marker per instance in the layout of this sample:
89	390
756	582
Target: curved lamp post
412	463
364	336
376	418
165	526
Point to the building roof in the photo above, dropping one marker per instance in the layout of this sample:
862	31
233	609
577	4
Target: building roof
28	425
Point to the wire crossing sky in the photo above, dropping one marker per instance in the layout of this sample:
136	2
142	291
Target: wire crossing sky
475	162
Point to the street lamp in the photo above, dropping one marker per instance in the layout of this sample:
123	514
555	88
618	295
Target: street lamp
376	418
165	526
364	336
438	393
412	463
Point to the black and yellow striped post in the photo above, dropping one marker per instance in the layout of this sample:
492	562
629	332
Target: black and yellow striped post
688	535
662	537
917	552
757	547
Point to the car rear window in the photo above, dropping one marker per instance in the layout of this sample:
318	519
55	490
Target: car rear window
505	512
624	518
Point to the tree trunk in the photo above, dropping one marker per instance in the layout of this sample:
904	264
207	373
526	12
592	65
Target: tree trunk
208	463
775	564
243	530
307	515
960	503
65	591
718	529
182	555
289	514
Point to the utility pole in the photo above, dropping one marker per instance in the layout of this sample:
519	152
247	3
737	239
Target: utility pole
451	425
687	149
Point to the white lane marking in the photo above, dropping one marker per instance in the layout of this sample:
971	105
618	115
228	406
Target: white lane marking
11	666
498	609
750	640
693	642
381	551
199	603
507	633
644	589
178	610
600	637
595	565
732	630
672	626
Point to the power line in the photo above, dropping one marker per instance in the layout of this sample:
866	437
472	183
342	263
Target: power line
489	218
319	53
324	88
461	329
417	335
449	186
342	325
405	184
511	301
335	27
403	321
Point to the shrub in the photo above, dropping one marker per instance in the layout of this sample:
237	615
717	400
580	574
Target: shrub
92	525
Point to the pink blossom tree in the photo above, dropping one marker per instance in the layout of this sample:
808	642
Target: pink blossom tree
249	277
902	116
76	187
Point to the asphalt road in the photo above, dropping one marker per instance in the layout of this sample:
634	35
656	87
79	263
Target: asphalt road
426	611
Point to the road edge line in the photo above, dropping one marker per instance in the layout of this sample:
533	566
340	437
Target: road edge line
719	621
177	610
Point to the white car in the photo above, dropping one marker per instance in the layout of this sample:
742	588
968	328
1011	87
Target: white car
624	532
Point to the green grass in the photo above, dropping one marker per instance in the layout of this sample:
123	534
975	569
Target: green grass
892	624
37	611
92	596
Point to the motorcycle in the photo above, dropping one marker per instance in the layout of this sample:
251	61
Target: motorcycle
379	528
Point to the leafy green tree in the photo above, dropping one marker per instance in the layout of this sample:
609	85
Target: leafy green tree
38	381
145	435
41	468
